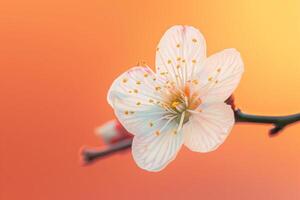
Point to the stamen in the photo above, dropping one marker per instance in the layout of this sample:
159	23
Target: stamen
157	88
166	66
186	100
157	133
181	122
195	82
165	125
174	104
194	111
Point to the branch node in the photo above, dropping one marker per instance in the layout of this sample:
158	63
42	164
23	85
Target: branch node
275	130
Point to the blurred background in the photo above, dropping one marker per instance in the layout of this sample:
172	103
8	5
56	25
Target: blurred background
59	57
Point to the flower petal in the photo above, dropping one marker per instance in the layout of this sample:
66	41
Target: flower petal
155	150
136	101
220	75
208	129
179	53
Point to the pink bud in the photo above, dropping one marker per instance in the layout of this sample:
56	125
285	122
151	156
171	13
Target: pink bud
113	132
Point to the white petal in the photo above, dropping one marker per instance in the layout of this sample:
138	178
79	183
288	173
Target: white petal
135	100
154	152
220	75
180	52
207	130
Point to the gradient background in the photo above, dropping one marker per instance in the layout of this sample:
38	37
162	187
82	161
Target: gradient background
58	58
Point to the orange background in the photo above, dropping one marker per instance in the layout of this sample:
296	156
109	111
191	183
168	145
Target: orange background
58	58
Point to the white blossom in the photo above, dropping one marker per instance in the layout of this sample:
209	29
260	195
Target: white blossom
181	103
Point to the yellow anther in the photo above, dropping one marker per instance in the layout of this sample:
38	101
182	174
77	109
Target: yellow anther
154	79
175	132
151	101
178	59
195	82
194	40
157	133
157	88
150	124
194	61
141	63
174	104
219	69
135	91
126	112
177	66
178	45
125	80
138	103
131	112
169	61
183	60
216	81
210	78
145	75
138	82
157	49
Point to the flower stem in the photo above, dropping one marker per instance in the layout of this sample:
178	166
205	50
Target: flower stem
279	122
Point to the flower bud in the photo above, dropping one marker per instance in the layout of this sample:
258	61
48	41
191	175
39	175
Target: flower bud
112	132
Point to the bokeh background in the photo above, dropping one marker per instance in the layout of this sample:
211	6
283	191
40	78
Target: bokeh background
59	57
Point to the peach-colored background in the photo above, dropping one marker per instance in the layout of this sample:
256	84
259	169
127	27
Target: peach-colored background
58	58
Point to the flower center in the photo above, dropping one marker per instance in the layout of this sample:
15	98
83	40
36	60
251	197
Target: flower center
182	101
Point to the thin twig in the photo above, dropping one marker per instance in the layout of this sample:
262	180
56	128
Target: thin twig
90	155
279	122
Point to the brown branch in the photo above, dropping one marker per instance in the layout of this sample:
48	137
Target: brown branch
90	155
279	122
